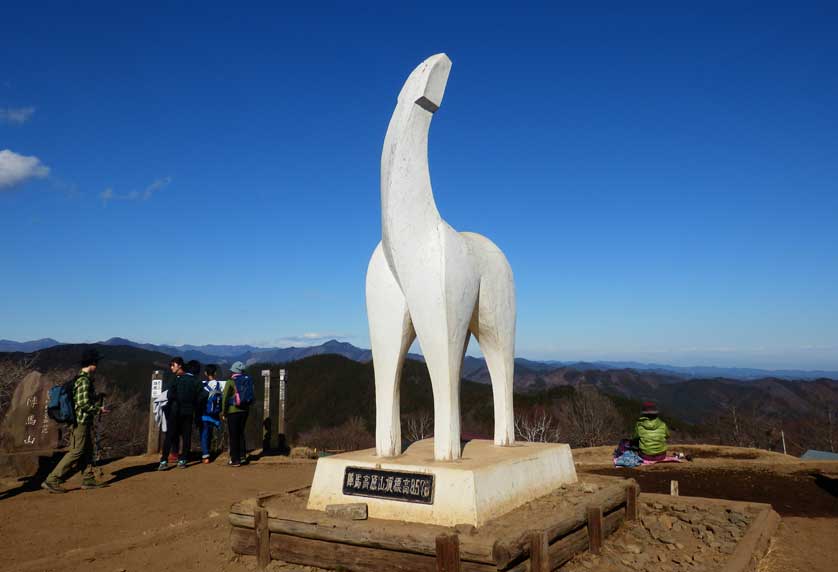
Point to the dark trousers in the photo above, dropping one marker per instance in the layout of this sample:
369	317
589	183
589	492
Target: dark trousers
235	426
244	435
178	432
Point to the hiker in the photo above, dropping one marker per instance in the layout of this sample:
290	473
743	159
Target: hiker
209	410
238	393
182	394
651	433
169	413
86	406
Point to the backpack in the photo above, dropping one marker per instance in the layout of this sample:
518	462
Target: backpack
213	400
61	406
244	390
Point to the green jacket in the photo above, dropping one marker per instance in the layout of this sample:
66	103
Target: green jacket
228	399
84	399
653	433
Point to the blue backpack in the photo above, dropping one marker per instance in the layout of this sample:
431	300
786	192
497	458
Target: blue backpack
61	406
213	400
244	390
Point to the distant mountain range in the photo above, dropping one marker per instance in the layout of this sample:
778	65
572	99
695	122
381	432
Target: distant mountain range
27	347
527	371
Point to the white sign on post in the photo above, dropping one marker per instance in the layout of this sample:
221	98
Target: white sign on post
156	387
266	374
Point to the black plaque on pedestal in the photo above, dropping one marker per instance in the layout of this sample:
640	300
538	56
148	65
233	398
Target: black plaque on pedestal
390	485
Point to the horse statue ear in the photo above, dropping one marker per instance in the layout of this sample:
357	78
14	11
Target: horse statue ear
425	86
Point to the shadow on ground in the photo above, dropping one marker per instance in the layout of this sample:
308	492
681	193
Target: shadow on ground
133	471
33	482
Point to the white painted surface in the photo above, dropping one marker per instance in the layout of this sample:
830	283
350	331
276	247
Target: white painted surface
487	482
426	280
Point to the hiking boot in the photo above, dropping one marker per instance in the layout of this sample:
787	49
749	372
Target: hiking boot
93	485
53	488
181	464
163	466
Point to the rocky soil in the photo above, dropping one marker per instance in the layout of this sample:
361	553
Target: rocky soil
669	539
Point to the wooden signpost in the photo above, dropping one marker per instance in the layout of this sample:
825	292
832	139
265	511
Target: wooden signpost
153	443
266	413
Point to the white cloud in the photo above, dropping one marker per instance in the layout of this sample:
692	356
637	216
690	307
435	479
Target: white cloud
15	169
109	194
157	185
16	115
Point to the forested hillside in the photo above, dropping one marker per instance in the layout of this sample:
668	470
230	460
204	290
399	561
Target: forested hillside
331	402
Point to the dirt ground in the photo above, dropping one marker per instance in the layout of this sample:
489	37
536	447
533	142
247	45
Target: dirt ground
178	519
146	520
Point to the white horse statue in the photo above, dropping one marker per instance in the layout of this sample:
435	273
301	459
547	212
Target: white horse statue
426	280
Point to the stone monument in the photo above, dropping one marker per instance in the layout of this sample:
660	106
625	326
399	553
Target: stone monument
27	432
427	281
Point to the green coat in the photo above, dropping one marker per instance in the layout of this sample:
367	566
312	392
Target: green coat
652	433
228	399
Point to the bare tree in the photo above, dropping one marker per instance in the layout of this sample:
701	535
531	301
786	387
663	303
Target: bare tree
591	418
821	431
748	426
117	432
418	426
349	436
537	425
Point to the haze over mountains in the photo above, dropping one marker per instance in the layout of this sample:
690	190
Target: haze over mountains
473	368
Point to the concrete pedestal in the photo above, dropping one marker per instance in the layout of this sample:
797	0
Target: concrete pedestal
486	482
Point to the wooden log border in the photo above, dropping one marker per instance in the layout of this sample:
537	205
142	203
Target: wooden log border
595	533
263	537
295	536
632	501
326	554
448	553
753	545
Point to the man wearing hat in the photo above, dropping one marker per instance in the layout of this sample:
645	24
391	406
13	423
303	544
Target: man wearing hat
80	455
651	432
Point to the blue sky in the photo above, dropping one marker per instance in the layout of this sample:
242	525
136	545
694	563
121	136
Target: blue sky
661	176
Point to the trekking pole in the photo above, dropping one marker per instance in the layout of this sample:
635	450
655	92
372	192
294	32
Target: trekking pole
96	434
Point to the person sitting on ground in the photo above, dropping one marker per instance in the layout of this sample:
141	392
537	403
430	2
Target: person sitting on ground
651	433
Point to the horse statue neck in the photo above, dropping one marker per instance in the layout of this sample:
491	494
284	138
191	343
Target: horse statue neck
408	208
